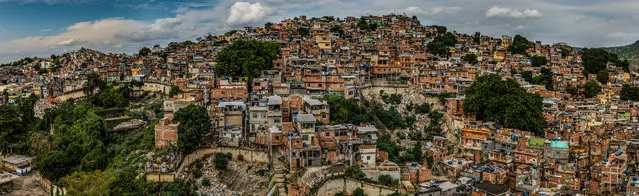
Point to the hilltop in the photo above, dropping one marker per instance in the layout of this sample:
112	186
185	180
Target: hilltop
630	52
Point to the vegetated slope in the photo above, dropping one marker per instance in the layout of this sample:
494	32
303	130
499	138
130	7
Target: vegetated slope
630	52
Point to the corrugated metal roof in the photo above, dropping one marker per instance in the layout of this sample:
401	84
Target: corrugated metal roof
559	144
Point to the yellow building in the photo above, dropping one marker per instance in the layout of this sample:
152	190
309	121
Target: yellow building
323	42
135	71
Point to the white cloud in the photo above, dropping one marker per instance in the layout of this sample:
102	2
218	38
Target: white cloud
624	36
431	11
92	33
498	12
163	28
521	27
245	12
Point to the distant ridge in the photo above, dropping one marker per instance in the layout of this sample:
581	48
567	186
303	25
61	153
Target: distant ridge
630	52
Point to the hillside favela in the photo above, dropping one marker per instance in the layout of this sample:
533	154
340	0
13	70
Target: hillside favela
328	97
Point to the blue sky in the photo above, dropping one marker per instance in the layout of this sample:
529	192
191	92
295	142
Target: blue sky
44	27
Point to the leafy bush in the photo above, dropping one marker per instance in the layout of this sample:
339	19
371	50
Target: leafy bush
385	179
197	173
206	182
240	157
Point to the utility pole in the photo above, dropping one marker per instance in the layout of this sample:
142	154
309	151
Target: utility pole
350	150
290	151
270	148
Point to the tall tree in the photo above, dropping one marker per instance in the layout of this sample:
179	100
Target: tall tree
520	45
490	98
144	51
194	122
591	88
441	30
246	58
538	61
477	37
470	58
594	60
602	76
93	82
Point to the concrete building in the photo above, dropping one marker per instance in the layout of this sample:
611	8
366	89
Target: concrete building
229	122
319	109
19	164
166	132
490	189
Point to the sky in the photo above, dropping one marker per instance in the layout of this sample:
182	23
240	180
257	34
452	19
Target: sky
43	27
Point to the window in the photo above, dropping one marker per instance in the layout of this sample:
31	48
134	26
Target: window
277	137
368	158
323	116
254	115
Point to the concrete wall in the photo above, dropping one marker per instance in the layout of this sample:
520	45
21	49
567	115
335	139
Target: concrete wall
160	177
50	187
156	87
71	95
349	185
374	174
388	90
249	155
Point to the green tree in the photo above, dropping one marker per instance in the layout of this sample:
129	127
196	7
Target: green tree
441	30
602	76
303	31
384	143
392	98
221	161
423	108
545	78
206	182
440	45
477	37
88	183
490	98
520	45
366	26
93	82
538	61
175	90
354	172
194	122
528	76
337	29
144	51
594	60
385	179
246	58
417	152
346	110
438	48
328	18
591	88
470	58
197	173
572	90
359	192
629	93
53	165
268	26
625	64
